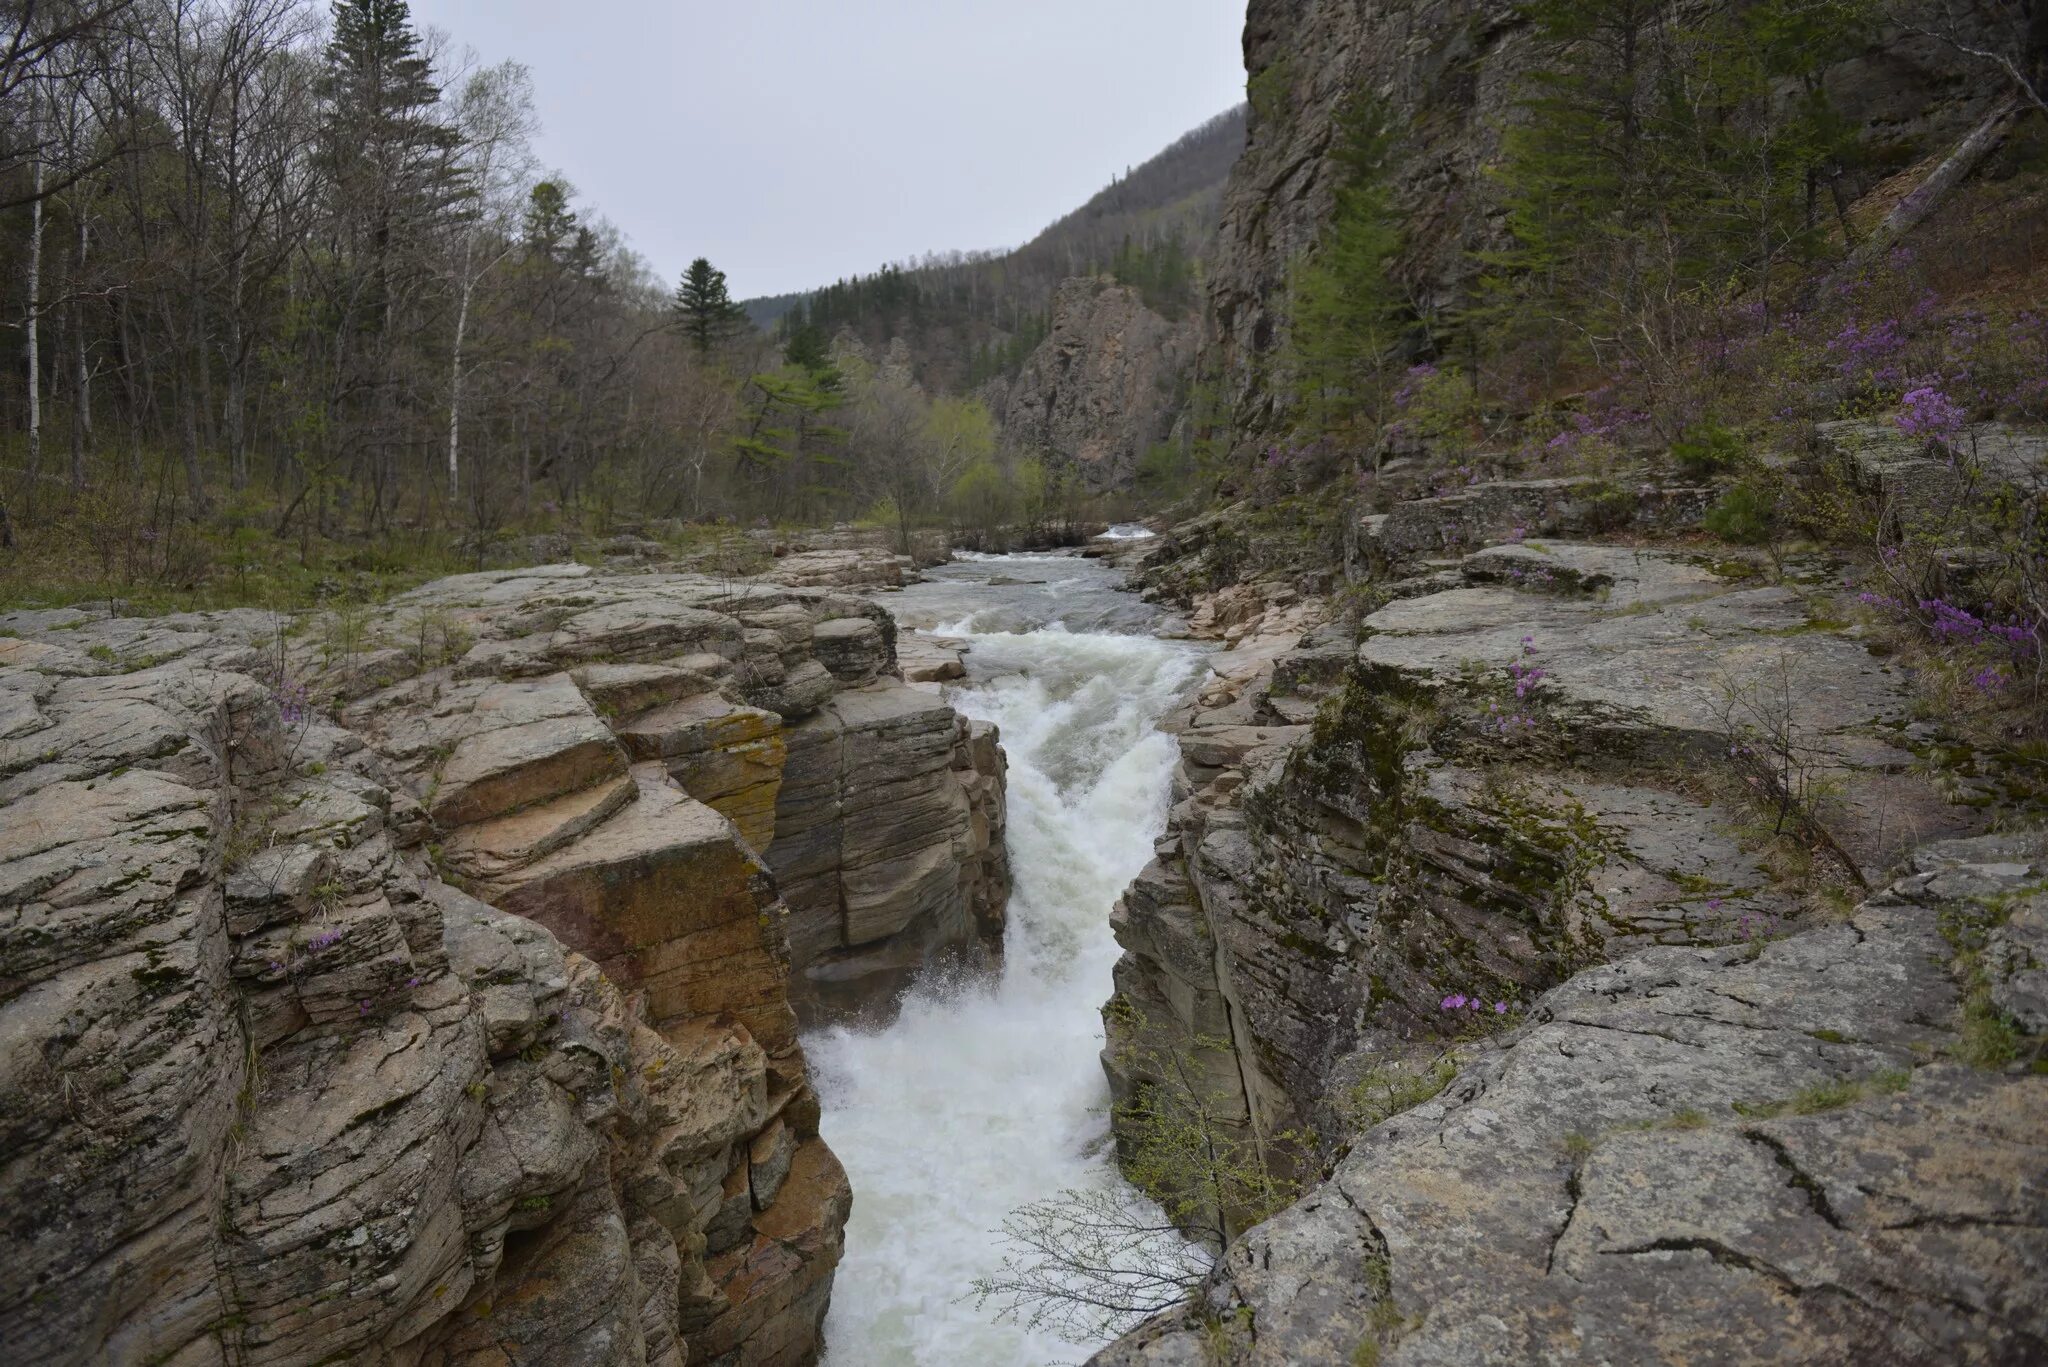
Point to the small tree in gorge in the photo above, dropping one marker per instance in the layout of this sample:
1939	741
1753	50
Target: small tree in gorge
1093	1261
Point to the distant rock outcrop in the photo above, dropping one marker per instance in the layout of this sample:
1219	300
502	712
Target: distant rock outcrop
1103	387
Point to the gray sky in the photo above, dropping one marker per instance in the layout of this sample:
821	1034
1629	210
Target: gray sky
796	141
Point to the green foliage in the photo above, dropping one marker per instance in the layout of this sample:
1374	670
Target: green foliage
1658	164
1747	515
1706	451
1386	1092
1163	273
1268	90
1165	472
1345	310
1003	355
982	500
807	348
704	311
787	434
1831	1095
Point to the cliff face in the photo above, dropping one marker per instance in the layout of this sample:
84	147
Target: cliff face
1449	74
1103	387
279	1090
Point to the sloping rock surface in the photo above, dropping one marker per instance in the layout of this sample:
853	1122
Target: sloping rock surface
1751	1154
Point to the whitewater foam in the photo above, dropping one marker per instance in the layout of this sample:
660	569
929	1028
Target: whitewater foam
983	1096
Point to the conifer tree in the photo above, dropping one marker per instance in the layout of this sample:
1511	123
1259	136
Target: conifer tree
1346	309
704	310
808	348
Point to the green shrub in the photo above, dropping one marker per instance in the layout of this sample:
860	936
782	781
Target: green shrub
1745	515
1704	452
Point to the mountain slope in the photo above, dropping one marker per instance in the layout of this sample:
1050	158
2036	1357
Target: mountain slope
970	316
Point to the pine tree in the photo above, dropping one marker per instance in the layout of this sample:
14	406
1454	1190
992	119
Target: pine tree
1347	314
550	226
1663	156
808	348
383	142
394	183
704	311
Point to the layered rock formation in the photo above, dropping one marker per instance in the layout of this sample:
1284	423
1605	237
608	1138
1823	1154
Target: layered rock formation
1105	385
462	1031
1753	1153
1536	758
1657	777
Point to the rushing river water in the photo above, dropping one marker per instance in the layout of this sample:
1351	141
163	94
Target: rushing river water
985	1095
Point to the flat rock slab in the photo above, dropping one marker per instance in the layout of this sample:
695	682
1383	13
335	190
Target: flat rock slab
523	743
1662	666
1922	485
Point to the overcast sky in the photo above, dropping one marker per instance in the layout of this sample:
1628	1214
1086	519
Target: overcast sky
797	141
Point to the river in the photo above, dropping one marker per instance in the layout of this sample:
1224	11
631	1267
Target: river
984	1095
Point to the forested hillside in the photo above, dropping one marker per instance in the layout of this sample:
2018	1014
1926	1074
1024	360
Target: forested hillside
287	285
969	316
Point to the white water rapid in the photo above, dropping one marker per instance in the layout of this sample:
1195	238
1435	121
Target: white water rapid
983	1096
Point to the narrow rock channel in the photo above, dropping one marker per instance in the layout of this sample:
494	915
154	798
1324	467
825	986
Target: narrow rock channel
984	1095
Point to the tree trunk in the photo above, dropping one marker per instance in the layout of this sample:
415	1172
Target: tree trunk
81	376
455	397
232	417
1910	212
33	332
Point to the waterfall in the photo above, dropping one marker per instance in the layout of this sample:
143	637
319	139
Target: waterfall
984	1095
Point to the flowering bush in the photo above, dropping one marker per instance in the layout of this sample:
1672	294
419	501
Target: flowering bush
1872	355
1927	412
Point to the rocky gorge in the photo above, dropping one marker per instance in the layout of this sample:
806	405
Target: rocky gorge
1561	833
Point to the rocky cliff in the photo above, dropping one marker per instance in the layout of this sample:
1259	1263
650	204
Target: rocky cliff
1105	385
459	1031
1449	74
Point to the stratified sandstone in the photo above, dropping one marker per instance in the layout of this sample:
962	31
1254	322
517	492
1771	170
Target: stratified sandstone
463	1034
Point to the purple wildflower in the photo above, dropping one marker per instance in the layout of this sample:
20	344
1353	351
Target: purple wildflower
1927	412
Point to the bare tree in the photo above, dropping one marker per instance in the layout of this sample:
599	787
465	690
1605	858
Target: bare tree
493	115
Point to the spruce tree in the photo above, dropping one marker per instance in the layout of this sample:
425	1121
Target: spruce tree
388	152
550	225
1347	314
808	348
704	311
